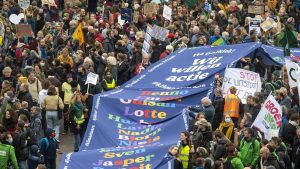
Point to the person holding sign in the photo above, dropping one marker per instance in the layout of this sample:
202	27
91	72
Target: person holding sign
232	105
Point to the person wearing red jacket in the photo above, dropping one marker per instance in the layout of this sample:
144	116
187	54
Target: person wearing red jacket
169	50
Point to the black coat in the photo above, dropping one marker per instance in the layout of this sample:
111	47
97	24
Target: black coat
20	145
99	66
108	45
155	55
288	133
219	111
122	73
270	161
26	96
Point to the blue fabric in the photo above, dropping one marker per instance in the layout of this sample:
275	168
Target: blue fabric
145	116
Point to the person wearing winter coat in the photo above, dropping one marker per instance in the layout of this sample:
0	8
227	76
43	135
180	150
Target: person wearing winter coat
48	147
24	95
9	121
267	159
296	149
35	158
233	161
77	119
20	145
122	69
249	149
7	153
289	129
36	122
220	146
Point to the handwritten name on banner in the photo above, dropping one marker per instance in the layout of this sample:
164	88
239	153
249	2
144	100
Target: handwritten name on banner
247	82
116	157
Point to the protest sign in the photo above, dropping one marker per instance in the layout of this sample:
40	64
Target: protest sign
16	19
126	14
24	4
92	78
150	9
167	13
146	47
24	30
254	25
292	69
267	25
247	82
256	9
269	118
50	2
159	33
147	37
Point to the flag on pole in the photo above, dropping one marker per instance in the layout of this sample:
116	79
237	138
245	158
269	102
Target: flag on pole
219	42
78	34
289	40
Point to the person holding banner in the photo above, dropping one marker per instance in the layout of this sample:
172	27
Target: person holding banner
232	105
184	150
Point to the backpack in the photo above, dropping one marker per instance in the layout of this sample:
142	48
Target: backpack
46	141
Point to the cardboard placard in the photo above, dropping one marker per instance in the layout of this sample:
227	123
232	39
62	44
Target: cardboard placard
49	2
24	4
256	9
254	25
92	78
267	25
167	12
150	9
24	30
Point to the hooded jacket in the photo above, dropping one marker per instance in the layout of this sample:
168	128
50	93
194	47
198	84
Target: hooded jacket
48	146
35	157
7	152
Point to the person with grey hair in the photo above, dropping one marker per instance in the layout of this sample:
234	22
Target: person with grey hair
206	107
268	159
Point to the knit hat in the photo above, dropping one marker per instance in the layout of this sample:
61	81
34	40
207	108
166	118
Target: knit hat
171	35
23	79
170	47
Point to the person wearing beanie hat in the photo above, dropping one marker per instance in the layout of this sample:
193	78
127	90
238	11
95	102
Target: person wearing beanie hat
169	50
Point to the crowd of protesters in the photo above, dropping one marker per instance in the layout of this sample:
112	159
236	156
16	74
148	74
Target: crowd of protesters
43	76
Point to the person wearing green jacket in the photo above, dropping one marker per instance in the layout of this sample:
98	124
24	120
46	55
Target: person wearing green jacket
232	160
7	153
249	149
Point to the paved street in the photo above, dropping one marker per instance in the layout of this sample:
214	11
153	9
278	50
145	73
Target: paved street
66	146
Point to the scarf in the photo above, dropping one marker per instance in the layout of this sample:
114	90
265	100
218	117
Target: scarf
229	127
78	108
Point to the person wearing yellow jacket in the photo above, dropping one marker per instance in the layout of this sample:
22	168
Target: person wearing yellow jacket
77	119
184	150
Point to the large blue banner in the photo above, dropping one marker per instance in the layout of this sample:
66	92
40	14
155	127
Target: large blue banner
149	110
124	122
137	157
190	67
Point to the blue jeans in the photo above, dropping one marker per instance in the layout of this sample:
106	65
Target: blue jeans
77	141
22	164
53	122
